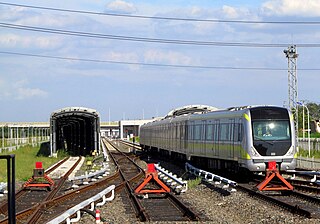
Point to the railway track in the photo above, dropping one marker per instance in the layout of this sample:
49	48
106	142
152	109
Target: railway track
297	201
302	185
293	201
33	197
48	209
306	186
56	206
28	201
152	207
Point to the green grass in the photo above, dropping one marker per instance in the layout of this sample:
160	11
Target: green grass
25	158
194	182
136	139
312	135
305	153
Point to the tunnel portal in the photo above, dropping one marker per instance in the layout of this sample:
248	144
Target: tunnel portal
76	130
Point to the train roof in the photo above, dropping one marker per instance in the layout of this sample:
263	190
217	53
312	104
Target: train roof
191	109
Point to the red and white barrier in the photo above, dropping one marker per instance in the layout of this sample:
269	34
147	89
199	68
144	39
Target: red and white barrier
97	216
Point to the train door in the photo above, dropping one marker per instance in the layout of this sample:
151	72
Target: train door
203	138
197	148
209	138
174	137
185	132
178	143
181	137
216	137
172	134
190	137
166	136
231	138
236	139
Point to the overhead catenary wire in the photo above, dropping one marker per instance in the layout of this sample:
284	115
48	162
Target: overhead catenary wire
162	17
152	40
147	39
153	64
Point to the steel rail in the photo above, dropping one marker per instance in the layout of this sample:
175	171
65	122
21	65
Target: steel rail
67	196
292	208
55	166
36	208
187	211
31	212
172	206
37	214
21	192
139	210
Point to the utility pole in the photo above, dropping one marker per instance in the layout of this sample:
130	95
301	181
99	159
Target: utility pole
291	54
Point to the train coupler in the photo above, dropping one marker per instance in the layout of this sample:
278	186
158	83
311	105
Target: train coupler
273	173
39	179
151	176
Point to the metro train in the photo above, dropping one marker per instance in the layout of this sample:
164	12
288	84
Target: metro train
238	138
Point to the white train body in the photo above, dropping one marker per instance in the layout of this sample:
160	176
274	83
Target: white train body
247	137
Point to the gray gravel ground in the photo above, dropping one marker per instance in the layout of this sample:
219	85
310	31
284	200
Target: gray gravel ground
214	207
236	208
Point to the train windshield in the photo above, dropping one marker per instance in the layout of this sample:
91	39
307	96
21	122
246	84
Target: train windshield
271	130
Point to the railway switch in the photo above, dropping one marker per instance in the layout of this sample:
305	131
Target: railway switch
39	179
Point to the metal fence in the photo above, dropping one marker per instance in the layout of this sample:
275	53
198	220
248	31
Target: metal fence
308	163
314	144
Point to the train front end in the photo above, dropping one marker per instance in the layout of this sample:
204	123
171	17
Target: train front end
272	138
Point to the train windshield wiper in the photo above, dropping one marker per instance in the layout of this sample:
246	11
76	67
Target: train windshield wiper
261	139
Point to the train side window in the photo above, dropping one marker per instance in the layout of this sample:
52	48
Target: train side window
217	131
174	133
231	130
236	132
197	132
186	133
240	132
209	132
224	132
190	131
203	130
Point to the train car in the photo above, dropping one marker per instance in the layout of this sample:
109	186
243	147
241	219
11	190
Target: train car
239	137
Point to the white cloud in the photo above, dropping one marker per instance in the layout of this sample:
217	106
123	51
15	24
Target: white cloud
125	57
21	92
49	20
18	90
230	12
13	40
305	8
196	11
118	56
169	57
29	17
25	93
121	6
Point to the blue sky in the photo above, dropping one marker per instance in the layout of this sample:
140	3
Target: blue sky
32	87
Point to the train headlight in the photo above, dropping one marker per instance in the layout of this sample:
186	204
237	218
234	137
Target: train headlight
254	152
290	151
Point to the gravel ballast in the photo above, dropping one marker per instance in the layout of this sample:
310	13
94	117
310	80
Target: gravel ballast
213	207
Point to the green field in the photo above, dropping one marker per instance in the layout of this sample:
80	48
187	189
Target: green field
25	158
305	153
